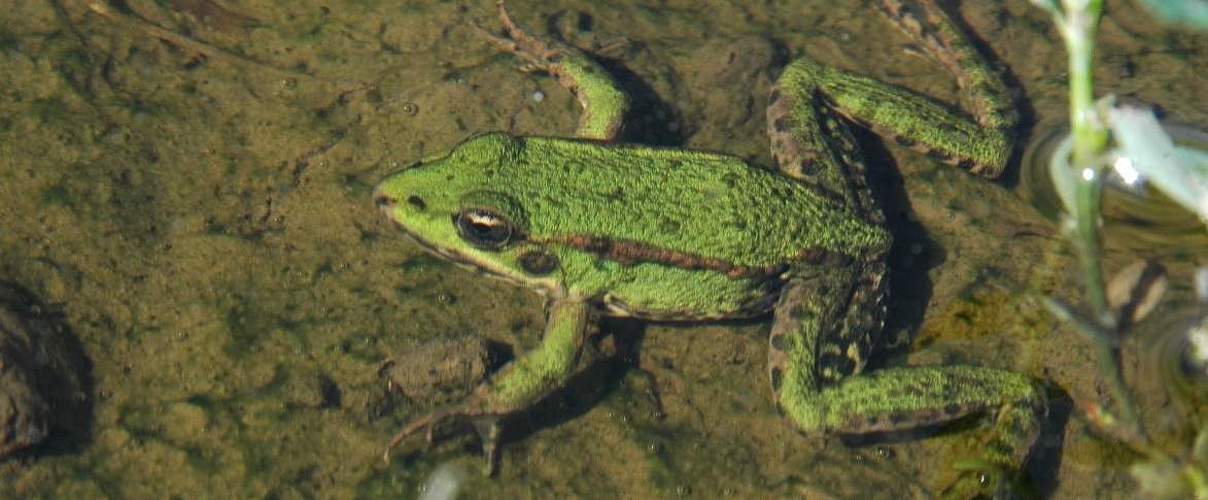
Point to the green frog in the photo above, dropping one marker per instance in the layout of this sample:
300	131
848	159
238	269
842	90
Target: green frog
602	228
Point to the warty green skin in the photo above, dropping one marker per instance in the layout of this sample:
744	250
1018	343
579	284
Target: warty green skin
670	234
698	206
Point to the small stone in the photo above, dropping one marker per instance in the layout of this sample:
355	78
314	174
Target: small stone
442	370
43	374
1135	290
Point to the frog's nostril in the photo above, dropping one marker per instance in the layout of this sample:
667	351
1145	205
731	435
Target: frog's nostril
383	201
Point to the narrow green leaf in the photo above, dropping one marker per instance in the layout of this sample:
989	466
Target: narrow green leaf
1180	173
1191	13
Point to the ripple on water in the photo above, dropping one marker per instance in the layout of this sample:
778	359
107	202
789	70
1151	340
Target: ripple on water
1136	216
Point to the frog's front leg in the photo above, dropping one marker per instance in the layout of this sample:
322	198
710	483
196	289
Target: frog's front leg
817	351
519	384
604	104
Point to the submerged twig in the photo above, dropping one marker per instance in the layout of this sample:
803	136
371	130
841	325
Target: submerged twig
1107	347
135	22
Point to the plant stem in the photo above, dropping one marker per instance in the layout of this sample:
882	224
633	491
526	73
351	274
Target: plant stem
1107	352
1090	140
1090	135
1109	367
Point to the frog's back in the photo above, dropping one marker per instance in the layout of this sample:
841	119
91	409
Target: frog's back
690	203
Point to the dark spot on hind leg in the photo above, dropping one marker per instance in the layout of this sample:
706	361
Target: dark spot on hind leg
777	342
780	124
808	168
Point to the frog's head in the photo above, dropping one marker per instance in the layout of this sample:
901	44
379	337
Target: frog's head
459	206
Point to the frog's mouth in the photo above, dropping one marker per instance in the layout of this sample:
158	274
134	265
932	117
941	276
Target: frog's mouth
443	253
386	205
460	260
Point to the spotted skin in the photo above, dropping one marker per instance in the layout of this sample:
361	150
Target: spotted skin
665	234
827	317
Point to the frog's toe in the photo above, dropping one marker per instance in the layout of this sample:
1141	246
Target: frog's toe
487	426
427	423
489	431
537	53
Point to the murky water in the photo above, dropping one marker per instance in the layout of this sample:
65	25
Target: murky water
196	203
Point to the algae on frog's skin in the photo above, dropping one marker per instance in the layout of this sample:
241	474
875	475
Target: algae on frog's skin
168	201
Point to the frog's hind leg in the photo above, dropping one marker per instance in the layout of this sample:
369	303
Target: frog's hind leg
809	96
813	144
816	358
604	104
928	25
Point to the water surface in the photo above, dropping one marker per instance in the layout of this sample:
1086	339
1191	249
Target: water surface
199	210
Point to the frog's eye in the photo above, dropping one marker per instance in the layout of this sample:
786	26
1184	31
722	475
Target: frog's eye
483	229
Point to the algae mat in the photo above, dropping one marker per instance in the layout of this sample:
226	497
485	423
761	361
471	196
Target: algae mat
195	201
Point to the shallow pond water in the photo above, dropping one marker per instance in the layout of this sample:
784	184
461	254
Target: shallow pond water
196	202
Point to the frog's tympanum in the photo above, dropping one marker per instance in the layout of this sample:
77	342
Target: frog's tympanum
668	234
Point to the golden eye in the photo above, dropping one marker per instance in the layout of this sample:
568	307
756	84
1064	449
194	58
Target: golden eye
483	229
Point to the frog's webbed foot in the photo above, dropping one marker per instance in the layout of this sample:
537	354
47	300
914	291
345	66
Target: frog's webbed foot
538	54
542	53
604	104
427	423
486	425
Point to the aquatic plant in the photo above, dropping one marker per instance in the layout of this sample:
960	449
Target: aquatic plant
1128	140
